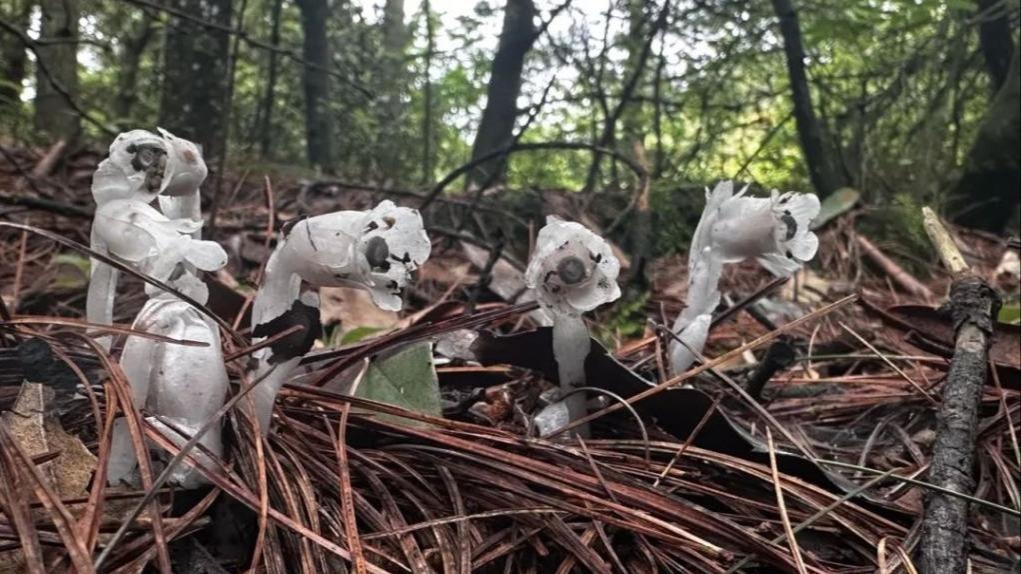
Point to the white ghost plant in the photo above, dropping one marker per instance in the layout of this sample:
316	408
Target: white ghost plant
140	167
572	271
775	231
377	250
183	384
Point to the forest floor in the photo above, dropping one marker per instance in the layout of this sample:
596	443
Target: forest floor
713	475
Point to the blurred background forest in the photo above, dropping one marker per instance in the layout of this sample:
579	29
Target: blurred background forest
640	103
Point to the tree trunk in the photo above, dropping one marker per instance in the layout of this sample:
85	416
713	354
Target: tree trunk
195	61
987	194
13	60
427	96
636	68
823	168
54	114
130	60
497	127
395	38
269	96
631	120
995	40
316	50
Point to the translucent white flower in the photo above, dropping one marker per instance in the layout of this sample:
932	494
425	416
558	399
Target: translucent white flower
377	250
142	164
185	385
773	230
137	234
572	269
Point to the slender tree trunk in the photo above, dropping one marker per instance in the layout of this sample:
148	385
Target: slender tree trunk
823	167
395	38
316	50
54	115
127	74
497	127
427	96
13	60
631	120
269	96
635	71
987	194
195	61
657	118
995	40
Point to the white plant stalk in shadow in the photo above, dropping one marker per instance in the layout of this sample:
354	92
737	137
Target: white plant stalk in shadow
572	271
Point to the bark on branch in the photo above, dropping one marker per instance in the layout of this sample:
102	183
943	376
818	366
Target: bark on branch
973	306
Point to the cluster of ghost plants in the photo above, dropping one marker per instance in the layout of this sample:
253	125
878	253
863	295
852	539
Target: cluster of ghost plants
180	387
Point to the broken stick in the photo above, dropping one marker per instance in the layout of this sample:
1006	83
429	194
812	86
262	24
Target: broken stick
973	306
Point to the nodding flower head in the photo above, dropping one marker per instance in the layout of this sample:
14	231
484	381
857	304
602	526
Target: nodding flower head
774	230
391	246
142	165
572	270
377	250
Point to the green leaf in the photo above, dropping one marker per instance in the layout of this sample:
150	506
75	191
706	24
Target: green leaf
358	333
406	379
73	271
1010	314
839	202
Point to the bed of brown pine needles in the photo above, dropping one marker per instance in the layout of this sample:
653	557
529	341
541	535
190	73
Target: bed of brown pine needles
348	485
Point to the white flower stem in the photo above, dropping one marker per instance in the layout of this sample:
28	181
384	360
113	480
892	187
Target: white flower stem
270	379
99	302
571	345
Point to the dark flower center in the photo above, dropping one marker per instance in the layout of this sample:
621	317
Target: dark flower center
791	223
145	156
377	252
571	270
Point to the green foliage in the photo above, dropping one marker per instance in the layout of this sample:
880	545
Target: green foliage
1010	314
899	224
627	320
900	87
675	213
406	379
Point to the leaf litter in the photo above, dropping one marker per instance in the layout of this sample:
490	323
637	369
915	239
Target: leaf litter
834	453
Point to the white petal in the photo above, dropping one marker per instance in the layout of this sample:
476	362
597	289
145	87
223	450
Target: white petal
779	265
386	300
186	170
804	207
587	297
804	246
206	255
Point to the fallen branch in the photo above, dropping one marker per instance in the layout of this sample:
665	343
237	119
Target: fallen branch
896	272
973	305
